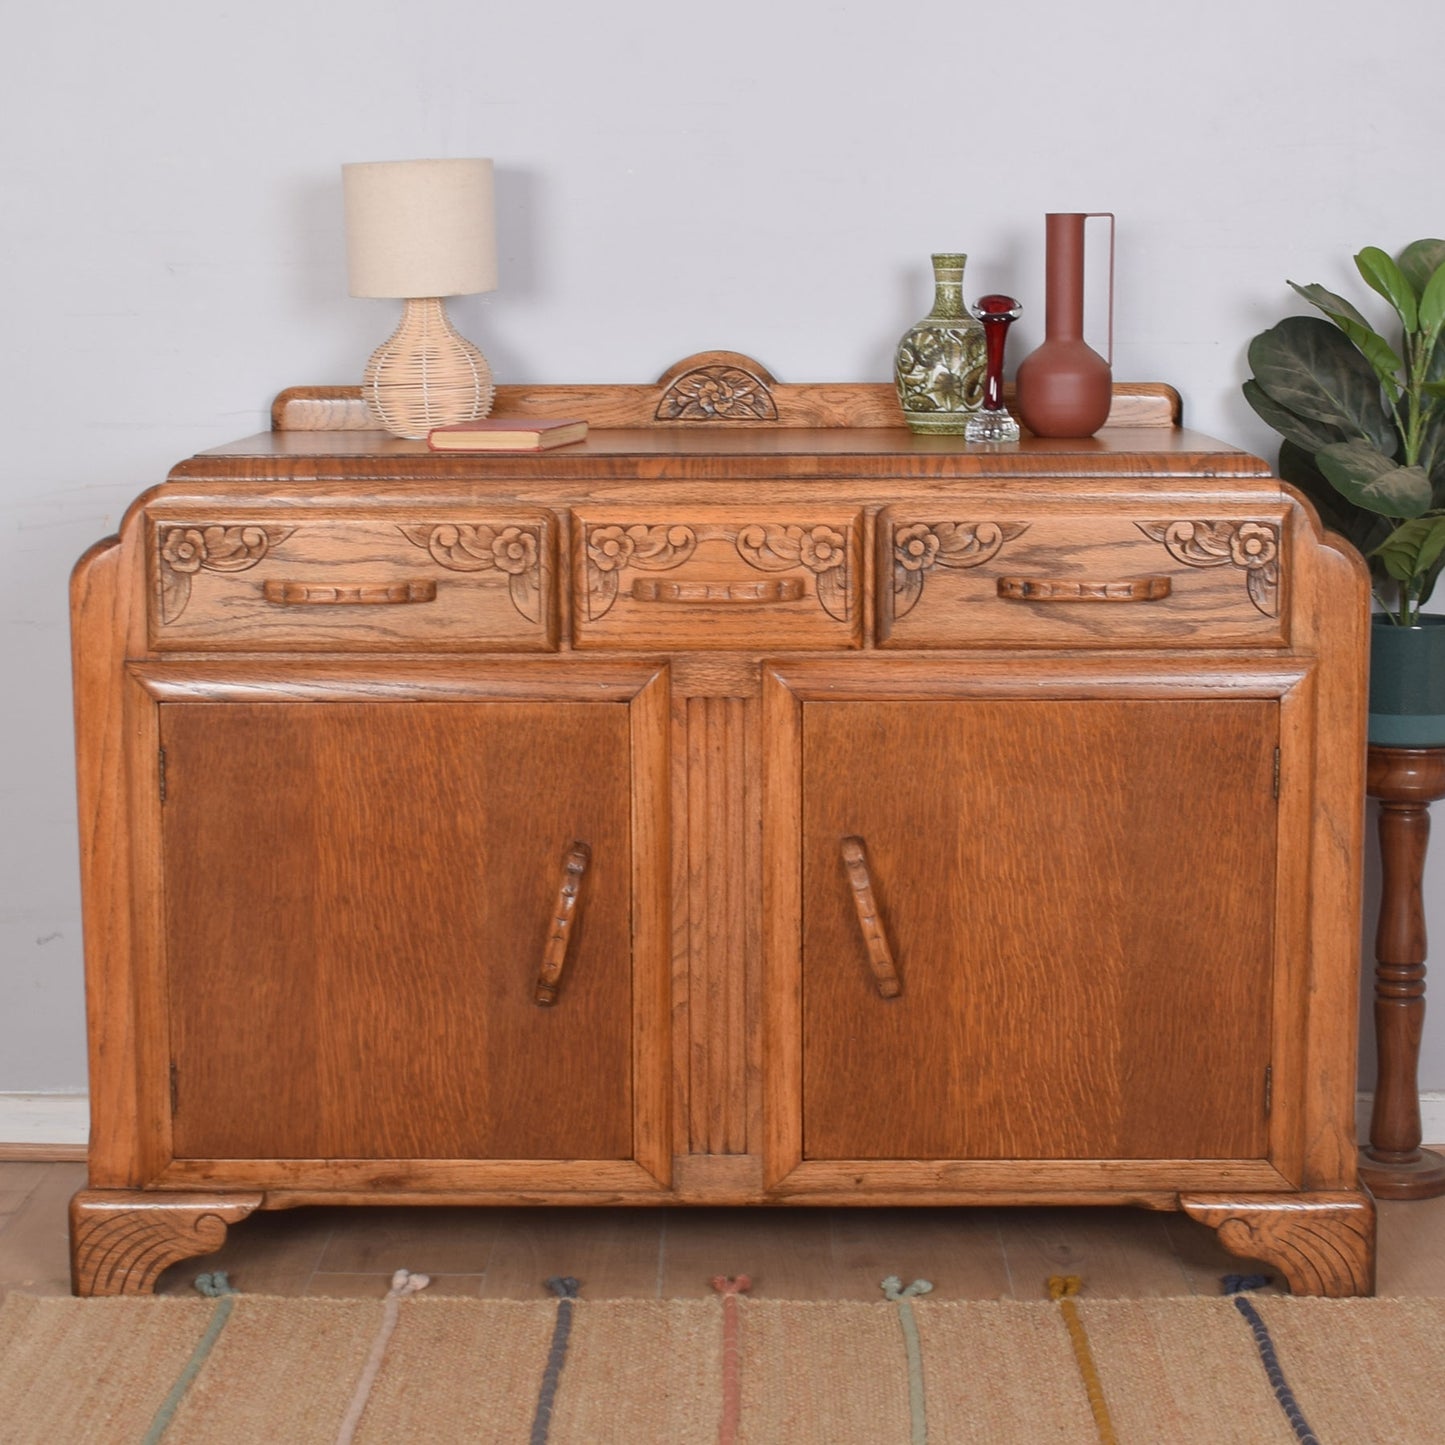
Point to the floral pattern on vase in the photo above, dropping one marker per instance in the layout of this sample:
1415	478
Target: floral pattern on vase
941	364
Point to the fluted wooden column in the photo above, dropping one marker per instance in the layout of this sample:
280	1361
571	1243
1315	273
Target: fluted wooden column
1406	781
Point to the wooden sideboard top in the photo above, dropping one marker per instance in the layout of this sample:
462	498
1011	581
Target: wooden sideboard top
716	407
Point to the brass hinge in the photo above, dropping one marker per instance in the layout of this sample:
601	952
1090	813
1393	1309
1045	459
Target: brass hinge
1276	775
175	1089
161	771
1268	1089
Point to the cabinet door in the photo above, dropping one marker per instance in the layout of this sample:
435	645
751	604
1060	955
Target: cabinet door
357	899
1078	896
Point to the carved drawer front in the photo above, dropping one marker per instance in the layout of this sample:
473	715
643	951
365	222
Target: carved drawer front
718	577
317	581
1150	577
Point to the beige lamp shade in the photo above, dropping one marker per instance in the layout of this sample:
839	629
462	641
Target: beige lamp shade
420	228
421	231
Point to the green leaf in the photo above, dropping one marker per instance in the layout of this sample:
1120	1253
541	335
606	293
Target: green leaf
1310	368
1377	351
1385	277
1371	480
1304	432
1432	303
1411	550
1420	260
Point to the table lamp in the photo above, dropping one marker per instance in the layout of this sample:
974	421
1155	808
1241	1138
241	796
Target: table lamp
422	231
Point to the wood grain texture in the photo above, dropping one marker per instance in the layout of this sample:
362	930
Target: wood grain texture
1405	781
708	387
709	557
1159	812
222	583
1323	1244
121	1241
362	892
1116	847
959	580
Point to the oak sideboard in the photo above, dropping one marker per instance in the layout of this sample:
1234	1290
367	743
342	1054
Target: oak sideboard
752	804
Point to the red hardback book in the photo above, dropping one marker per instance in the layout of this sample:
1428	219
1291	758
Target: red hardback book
507	434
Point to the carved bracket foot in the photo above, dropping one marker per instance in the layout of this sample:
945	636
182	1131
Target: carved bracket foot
1323	1244
121	1240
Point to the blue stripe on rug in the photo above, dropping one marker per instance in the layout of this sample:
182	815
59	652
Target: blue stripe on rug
217	1287
566	1289
1233	1285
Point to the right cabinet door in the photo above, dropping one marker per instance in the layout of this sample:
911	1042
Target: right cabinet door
1036	929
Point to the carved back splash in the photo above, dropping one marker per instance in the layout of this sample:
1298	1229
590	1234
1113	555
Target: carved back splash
706	389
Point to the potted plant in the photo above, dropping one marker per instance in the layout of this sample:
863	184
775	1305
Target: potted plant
1363	423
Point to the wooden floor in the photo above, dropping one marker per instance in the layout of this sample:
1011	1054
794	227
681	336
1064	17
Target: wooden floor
671	1253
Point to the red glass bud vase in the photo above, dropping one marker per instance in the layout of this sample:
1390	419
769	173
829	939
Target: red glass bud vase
992	422
1065	388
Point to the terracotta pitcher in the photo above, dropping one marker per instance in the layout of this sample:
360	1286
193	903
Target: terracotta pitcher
1065	387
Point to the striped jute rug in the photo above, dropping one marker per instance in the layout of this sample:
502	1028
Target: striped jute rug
724	1369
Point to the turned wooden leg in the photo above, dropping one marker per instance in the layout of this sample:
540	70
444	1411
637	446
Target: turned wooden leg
1323	1244
1406	781
121	1240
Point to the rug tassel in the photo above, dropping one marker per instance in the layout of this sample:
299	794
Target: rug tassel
1064	1288
894	1291
403	1284
730	1287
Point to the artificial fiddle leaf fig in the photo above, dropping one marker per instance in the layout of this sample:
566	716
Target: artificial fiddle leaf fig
1310	368
1384	276
1432	304
1371	480
1363	420
1303	431
1366	530
1377	351
1413	549
1420	260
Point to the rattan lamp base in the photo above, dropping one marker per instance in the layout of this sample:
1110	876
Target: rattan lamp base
426	374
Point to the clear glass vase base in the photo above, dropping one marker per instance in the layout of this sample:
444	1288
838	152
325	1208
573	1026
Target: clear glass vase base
991	426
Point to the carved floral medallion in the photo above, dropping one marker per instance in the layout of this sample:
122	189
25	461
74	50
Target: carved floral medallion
717	393
512	549
1253	547
919	547
182	551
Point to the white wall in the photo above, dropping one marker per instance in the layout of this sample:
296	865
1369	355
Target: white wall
764	177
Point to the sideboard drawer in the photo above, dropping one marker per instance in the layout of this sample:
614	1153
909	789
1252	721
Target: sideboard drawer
718	578
318	581
1084	578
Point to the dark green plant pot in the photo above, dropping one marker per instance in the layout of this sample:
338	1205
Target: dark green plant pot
1407	684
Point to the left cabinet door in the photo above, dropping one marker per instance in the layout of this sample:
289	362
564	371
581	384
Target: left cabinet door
357	900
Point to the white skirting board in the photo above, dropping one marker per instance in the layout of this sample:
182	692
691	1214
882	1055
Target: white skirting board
64	1119
36	1120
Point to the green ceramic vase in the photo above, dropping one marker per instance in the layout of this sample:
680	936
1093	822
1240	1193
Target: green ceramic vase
1407	683
942	363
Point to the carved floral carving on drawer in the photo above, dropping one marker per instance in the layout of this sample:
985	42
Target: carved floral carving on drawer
767	547
185	550
1251	546
717	393
613	549
822	550
919	547
510	548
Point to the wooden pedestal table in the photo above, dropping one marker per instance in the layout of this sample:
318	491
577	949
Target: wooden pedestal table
1406	781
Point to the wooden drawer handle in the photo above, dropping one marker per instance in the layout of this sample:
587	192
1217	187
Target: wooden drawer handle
359	594
764	590
1044	589
564	916
880	955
